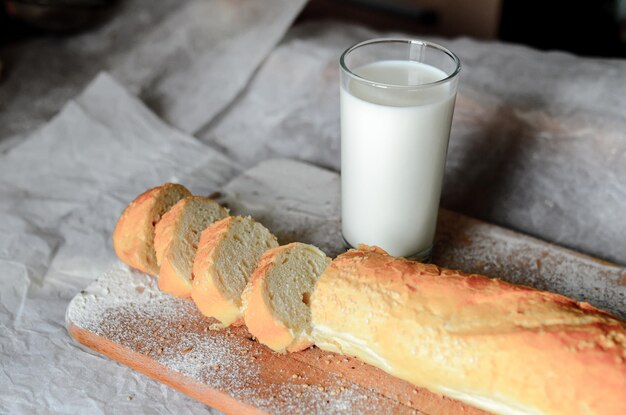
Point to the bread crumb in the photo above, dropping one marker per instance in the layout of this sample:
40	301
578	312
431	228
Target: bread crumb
187	350
214	351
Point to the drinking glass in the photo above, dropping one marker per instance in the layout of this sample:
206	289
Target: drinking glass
397	102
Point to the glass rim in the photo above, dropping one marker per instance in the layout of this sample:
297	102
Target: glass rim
455	59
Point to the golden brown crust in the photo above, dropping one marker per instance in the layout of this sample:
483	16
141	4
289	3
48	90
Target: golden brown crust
471	335
259	316
171	283
133	237
208	298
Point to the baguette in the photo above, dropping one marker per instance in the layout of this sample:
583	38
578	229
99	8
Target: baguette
133	237
501	347
276	300
227	255
176	239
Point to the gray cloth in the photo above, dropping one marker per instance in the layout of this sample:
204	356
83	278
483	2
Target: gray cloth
538	141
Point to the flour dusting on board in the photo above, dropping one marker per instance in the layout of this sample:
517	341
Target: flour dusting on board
126	307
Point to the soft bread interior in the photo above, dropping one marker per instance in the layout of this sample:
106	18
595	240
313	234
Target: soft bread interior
226	258
289	285
170	199
237	256
199	213
176	241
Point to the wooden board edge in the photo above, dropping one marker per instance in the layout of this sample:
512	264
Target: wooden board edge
143	364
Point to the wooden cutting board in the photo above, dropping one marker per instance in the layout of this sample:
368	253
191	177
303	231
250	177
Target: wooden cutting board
123	315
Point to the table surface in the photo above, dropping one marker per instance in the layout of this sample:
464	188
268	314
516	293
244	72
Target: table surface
538	145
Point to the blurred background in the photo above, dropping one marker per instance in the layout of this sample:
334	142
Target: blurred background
583	27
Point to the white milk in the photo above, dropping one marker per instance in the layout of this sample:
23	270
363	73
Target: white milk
393	153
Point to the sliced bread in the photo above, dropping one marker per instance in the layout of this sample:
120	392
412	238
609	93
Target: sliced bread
176	240
133	237
276	301
227	255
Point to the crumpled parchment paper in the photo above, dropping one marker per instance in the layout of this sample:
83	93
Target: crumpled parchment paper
538	145
62	191
63	185
186	59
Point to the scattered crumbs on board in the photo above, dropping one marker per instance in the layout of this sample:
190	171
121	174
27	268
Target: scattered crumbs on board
127	308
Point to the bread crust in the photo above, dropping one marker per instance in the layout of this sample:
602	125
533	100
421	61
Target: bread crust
205	292
258	314
503	347
133	237
170	280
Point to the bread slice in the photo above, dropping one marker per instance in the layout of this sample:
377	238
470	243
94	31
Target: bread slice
133	237
176	240
227	255
276	301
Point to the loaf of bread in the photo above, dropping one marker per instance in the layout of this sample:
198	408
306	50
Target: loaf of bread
505	348
176	240
133	237
227	255
501	347
276	301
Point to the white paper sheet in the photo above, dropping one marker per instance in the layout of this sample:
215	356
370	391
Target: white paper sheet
541	149
61	193
186	59
76	174
297	201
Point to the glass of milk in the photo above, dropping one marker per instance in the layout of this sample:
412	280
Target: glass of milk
397	100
